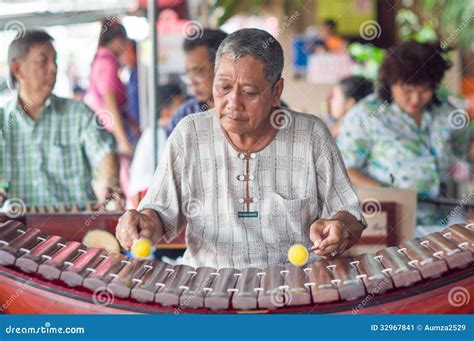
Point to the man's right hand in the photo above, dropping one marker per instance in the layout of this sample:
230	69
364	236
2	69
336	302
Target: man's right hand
133	225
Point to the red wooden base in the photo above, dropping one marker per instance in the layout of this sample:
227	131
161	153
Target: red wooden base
22	294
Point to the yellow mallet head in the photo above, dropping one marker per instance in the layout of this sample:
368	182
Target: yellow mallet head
142	248
298	255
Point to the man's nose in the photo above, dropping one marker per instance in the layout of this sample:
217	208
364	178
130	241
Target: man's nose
235	100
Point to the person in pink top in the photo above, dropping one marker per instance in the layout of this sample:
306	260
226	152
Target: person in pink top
106	94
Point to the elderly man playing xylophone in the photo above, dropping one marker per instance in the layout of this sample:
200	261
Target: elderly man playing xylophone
248	179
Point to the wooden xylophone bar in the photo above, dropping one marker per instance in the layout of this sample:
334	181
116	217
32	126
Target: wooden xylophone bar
154	282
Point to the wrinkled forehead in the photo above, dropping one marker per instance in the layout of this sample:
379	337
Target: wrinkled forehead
243	67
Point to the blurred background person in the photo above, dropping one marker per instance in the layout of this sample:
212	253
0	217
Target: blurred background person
401	136
170	97
106	94
130	78
344	95
200	57
51	147
333	43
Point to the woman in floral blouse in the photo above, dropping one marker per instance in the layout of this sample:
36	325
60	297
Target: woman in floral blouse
403	135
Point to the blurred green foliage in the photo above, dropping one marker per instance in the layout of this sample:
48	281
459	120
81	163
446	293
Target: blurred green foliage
454	20
410	28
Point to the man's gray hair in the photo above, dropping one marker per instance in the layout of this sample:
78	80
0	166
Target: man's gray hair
258	44
21	45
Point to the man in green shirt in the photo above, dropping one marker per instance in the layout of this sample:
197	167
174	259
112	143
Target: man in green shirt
50	147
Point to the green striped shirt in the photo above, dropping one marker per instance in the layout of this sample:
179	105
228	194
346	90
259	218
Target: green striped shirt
51	160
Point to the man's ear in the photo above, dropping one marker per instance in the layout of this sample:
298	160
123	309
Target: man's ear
15	70
277	91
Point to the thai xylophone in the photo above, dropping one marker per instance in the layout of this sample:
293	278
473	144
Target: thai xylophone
17	208
55	266
53	219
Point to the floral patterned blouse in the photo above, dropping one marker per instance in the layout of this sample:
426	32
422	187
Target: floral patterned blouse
387	145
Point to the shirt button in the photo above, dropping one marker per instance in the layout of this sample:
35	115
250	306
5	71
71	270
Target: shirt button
241	177
242	156
241	200
254	200
251	177
253	156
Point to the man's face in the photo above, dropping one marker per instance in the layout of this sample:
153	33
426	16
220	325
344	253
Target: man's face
129	55
36	72
242	95
119	45
200	71
411	98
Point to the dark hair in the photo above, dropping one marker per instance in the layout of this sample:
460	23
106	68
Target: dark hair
133	45
166	93
78	90
356	87
258	44
412	63
21	45
209	38
111	29
331	23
